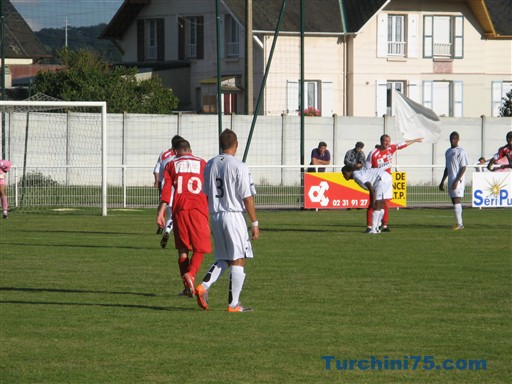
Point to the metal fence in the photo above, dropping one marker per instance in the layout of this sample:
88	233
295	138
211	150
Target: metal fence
39	191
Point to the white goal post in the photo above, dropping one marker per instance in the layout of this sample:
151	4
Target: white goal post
30	126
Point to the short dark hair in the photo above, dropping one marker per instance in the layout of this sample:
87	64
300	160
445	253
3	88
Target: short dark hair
175	140
359	144
454	134
227	139
348	168
509	135
182	145
322	144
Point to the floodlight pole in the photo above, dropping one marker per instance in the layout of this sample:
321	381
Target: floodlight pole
301	106
219	70
264	81
301	90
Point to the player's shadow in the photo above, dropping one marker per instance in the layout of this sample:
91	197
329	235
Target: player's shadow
60	290
84	232
296	229
132	306
32	244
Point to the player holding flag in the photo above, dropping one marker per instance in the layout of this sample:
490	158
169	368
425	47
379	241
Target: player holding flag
183	179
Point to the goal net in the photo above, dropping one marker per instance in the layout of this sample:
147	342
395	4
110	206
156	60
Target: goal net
58	152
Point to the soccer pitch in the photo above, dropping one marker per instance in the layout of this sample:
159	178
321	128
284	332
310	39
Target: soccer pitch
90	299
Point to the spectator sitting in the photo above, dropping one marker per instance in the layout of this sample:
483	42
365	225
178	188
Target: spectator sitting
356	157
320	156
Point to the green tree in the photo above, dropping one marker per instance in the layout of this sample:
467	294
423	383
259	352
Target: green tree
86	77
506	108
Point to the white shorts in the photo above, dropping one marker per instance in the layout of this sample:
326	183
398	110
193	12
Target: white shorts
384	189
458	192
230	236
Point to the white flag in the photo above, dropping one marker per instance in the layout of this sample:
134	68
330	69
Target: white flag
414	120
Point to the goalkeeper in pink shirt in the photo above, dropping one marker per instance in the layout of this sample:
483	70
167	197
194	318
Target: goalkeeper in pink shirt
5	166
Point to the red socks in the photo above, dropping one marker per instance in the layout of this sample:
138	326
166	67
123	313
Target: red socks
195	263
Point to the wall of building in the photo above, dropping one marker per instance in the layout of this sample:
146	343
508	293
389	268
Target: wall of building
484	61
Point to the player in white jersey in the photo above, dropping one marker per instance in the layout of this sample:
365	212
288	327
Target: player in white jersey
158	172
230	190
456	163
379	183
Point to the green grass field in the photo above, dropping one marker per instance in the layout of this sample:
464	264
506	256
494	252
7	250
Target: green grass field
89	299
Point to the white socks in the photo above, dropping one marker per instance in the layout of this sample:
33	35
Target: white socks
457	209
376	218
236	282
168	224
216	271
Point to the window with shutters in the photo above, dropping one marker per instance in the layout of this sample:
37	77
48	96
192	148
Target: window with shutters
443	37
396	35
399	85
445	98
499	91
231	36
150	40
317	94
190	37
384	99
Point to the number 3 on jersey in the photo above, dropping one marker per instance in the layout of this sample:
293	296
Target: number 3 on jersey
194	185
219	183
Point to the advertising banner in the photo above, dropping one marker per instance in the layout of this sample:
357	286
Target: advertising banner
492	189
326	190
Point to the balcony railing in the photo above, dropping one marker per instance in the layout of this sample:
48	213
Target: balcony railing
396	48
233	49
151	52
192	50
443	49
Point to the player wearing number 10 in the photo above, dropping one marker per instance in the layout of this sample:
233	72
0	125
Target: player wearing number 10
183	177
230	190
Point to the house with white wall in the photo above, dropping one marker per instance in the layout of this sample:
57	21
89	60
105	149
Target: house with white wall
453	56
176	40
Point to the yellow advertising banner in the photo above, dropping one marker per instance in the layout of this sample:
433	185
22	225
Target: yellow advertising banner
331	190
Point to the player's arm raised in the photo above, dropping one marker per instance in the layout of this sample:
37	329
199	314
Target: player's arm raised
417	140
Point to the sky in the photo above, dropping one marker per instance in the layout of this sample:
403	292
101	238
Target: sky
54	13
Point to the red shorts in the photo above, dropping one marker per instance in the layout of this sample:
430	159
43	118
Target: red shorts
192	231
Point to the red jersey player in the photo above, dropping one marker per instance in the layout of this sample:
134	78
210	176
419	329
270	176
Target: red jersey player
382	157
183	178
503	152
